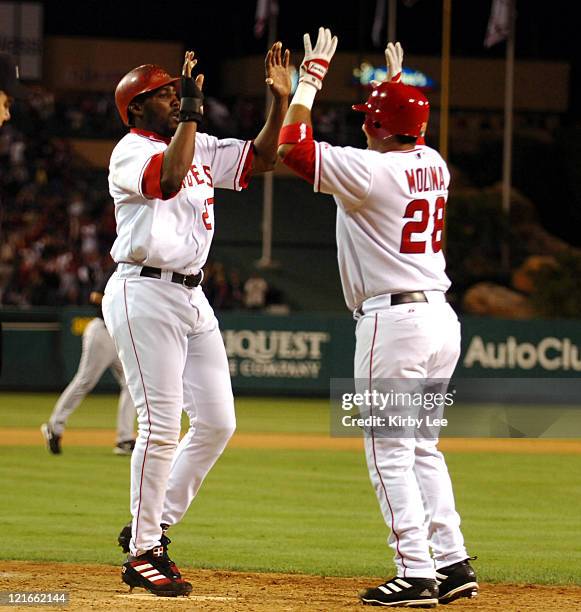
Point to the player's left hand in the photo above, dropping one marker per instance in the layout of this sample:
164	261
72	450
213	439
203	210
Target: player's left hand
191	96
394	61
277	71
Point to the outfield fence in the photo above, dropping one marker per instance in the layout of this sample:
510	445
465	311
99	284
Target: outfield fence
296	354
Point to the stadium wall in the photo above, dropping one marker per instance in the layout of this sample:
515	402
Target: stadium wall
296	354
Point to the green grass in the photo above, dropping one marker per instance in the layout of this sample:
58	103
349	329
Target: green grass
98	412
280	510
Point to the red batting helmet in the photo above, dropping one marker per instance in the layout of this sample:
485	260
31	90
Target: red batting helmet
138	81
395	109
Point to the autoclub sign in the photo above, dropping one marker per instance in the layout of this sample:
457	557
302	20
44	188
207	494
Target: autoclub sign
492	347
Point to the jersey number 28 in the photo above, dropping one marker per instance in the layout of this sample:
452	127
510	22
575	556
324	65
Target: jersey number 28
419	226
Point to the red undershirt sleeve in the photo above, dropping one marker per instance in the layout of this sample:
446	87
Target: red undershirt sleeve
301	159
151	180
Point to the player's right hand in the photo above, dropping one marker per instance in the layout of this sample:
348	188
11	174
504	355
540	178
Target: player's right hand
316	62
394	61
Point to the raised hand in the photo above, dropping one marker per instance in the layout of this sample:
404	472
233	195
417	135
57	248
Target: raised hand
192	98
394	61
277	71
316	61
189	64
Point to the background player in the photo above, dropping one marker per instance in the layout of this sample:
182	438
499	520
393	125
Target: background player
162	177
389	231
98	354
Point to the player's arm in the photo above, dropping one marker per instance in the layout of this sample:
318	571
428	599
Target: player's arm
177	158
279	81
296	145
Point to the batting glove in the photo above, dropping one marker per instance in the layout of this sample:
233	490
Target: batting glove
192	98
394	61
316	62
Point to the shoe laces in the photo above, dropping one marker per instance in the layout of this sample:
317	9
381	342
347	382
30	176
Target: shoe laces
165	562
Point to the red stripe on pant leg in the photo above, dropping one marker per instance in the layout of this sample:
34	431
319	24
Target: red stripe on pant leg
375	456
146	405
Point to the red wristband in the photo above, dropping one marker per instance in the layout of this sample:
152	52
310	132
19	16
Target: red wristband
295	133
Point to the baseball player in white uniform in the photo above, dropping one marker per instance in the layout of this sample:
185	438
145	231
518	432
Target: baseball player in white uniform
98	354
390	201
162	177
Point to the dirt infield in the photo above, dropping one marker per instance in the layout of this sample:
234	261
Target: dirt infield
99	587
15	436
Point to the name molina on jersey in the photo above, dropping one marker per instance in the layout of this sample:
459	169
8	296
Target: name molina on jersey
430	178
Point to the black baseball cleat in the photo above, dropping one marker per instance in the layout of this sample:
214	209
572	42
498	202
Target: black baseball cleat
124	448
456	581
124	537
53	440
403	592
155	572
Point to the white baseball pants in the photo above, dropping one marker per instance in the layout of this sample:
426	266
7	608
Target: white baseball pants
409	475
174	359
98	354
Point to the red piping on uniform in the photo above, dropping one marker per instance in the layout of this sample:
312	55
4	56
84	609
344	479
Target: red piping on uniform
375	456
151	135
238	180
246	172
414	150
146	405
320	167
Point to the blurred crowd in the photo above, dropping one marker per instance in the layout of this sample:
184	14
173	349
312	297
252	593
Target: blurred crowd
57	219
57	225
94	115
226	290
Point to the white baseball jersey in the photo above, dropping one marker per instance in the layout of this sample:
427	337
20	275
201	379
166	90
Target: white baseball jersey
175	233
390	217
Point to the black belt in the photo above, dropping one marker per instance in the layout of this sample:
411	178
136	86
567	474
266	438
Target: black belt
187	280
407	298
403	298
